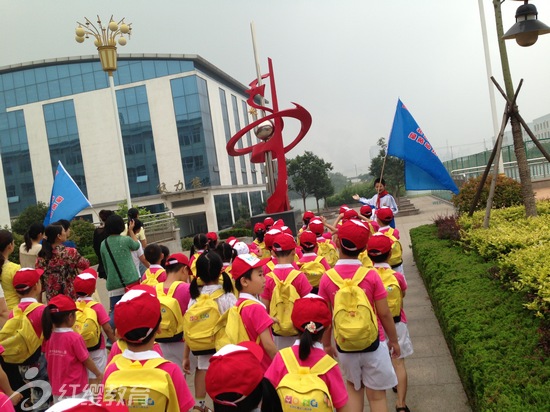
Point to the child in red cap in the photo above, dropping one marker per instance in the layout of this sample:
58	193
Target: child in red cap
27	285
175	287
155	273
139	368
325	247
370	368
209	271
384	217
285	273
250	281
311	316
84	287
66	353
312	265
200	244
258	245
379	248
235	380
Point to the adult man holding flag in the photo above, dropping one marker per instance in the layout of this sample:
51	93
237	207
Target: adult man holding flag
423	169
67	199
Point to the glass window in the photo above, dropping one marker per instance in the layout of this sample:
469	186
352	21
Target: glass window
18	79
161	68
148	69
223	211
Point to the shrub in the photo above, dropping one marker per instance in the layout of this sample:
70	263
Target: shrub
494	342
82	233
364	189
32	214
186	243
236	232
447	227
507	193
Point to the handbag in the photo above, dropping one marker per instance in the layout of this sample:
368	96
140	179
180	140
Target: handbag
126	287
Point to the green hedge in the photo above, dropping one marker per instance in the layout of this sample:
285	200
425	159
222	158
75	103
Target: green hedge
493	339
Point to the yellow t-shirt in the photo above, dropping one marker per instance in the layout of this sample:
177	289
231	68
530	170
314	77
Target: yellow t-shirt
8	272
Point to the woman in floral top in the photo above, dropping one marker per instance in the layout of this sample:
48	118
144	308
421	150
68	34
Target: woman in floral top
61	264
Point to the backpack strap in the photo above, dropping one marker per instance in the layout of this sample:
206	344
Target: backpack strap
217	293
318	259
172	288
359	275
29	308
324	364
335	277
292	365
290	361
244	303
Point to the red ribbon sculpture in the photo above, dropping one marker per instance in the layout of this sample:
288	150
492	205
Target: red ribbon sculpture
269	129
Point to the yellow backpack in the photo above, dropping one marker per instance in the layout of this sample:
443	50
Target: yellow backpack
301	389
151	278
199	323
230	327
365	259
194	264
18	337
282	302
328	251
396	257
87	325
171	325
395	294
141	386
355	322
313	270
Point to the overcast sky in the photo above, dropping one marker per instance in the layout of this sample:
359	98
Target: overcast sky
347	62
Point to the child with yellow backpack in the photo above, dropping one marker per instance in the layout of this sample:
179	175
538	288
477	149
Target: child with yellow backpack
91	320
361	320
155	273
325	247
303	373
141	378
22	336
174	298
311	264
380	248
206	307
384	217
283	286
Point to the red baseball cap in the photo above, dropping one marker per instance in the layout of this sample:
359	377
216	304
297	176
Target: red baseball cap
176	258
234	369
353	235
283	242
316	226
26	278
384	214
91	271
258	227
343	208
244	263
136	309
61	303
378	244
270	236
366	210
310	308
268	221
212	236
231	241
351	214
85	283
308	238
308	214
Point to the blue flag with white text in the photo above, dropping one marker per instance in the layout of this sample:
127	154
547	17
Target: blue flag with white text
423	169
66	199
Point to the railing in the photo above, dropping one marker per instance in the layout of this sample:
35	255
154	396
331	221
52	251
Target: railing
160	227
539	168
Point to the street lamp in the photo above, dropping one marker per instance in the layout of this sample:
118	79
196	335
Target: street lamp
528	27
105	41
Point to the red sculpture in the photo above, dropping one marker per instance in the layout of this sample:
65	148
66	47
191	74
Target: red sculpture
269	129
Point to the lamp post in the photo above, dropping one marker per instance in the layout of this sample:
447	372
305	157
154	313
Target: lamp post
105	41
528	27
519	146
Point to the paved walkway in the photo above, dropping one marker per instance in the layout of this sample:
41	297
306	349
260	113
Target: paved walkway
433	380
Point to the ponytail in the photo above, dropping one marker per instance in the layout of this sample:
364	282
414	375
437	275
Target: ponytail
194	289
49	320
51	233
34	231
307	339
227	284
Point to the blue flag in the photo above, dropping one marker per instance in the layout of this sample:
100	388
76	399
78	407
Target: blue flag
423	169
67	199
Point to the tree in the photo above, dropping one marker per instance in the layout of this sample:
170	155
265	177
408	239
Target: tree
394	169
32	214
309	176
339	181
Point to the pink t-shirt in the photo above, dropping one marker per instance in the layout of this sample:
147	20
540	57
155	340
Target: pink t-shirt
256	320
35	316
371	284
185	399
65	353
102	318
5	403
333	378
310	257
115	350
402	284
282	271
153	269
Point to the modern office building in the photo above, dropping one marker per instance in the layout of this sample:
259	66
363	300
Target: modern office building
176	113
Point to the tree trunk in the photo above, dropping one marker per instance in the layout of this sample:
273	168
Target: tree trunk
304	200
318	210
523	170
